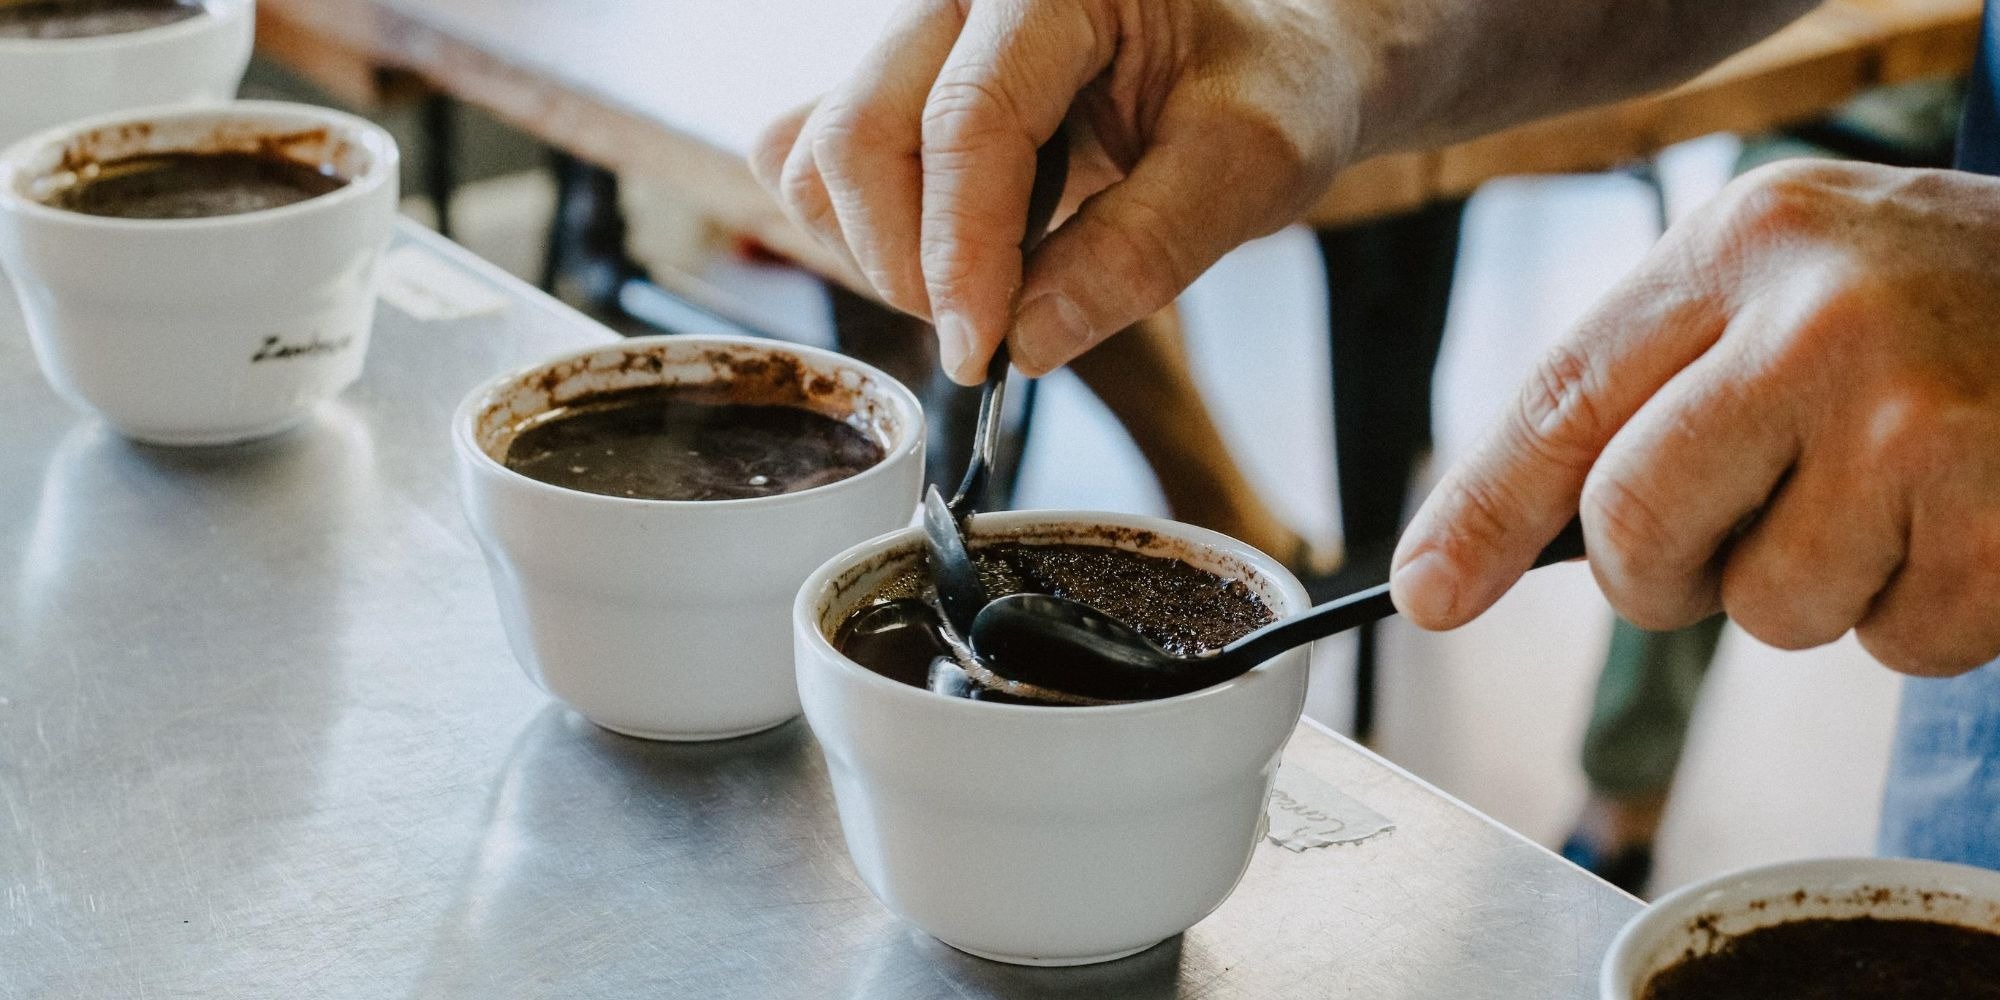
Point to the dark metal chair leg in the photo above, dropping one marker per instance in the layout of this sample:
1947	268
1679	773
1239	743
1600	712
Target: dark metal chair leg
440	127
586	263
1388	284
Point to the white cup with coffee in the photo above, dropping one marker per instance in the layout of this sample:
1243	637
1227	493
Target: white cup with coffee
1861	927
1047	834
61	60
199	275
648	509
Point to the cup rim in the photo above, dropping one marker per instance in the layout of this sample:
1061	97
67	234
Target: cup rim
383	163
1620	966
465	419
806	615
215	13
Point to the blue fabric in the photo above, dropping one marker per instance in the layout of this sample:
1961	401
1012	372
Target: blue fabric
1979	130
1943	799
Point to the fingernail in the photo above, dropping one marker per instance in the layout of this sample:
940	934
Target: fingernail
1427	588
954	341
1049	331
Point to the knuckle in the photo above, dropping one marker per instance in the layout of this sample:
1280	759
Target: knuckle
1624	520
1557	409
1916	428
1628	541
1774	583
1785	198
843	133
1481	515
949	262
1146	246
1772	614
965	112
803	190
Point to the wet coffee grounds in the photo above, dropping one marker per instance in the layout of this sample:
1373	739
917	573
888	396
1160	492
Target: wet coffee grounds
1830	959
192	185
52	19
1184	609
684	443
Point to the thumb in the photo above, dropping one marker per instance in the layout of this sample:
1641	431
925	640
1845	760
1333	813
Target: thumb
1480	529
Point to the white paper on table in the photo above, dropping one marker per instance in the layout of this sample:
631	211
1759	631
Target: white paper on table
429	288
1305	812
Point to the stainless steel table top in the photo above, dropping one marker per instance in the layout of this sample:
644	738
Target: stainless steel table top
260	736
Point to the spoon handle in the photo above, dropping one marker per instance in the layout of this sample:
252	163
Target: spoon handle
1373	604
1051	172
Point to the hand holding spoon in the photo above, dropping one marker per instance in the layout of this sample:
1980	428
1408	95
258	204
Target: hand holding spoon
1063	645
960	594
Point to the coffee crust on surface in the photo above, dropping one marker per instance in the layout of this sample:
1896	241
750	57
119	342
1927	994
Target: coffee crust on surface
1855	958
1182	608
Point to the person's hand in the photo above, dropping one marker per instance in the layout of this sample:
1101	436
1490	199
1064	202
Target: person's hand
1791	411
1198	125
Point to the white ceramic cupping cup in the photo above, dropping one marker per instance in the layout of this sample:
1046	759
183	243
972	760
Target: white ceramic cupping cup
46	82
668	619
208	330
1698	916
1048	835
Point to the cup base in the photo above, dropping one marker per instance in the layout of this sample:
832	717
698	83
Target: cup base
1050	963
660	737
213	439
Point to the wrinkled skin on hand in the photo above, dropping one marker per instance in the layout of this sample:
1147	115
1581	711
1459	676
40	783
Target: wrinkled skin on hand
1791	411
1196	124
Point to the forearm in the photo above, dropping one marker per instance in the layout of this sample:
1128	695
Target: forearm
1434	71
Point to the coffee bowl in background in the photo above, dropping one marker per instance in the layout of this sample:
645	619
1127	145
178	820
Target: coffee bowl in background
669	619
46	82
1695	919
200	330
1048	835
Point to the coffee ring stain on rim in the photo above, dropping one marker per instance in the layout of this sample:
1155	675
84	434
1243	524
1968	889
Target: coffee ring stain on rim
768	377
772	372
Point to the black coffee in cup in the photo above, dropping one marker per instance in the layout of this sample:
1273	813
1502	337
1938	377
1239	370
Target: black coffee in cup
689	442
896	632
191	185
53	19
1859	958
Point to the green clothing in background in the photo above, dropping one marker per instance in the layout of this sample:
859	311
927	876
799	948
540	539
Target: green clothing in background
1645	697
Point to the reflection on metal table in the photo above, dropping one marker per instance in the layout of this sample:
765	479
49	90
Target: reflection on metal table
261	736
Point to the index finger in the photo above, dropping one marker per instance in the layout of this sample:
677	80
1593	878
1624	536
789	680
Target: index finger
1002	92
1480	529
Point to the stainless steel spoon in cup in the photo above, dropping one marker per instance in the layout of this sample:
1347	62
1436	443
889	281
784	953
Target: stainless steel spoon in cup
959	591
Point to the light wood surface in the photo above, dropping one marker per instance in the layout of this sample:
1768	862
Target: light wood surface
678	90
